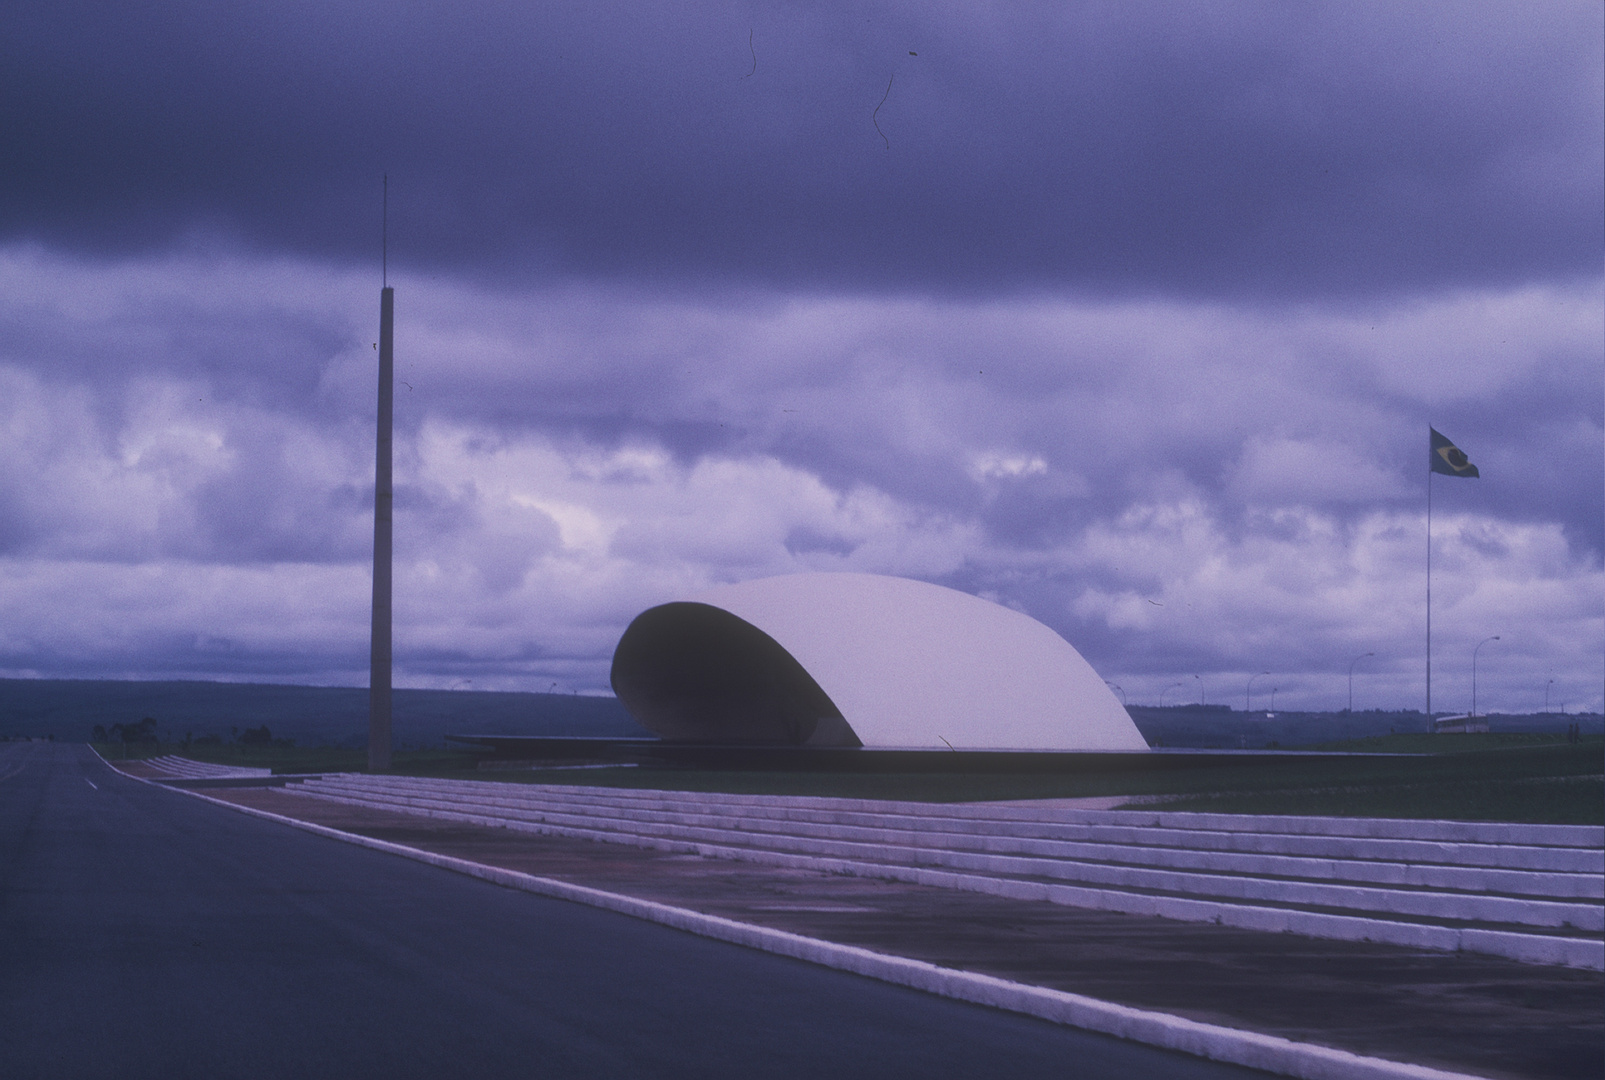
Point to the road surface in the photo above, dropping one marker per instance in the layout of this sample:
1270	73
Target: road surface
144	932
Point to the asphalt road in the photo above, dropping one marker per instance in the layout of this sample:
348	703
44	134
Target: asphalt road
144	932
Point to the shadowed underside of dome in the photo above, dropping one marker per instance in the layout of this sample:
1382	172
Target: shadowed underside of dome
692	672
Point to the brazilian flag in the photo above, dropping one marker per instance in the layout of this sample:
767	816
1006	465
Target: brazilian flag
1449	459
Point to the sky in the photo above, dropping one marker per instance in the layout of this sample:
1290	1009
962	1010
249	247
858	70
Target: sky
1130	316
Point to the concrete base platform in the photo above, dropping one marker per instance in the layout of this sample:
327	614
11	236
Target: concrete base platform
1462	1013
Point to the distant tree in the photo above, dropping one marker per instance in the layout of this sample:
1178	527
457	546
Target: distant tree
209	740
99	734
142	732
256	736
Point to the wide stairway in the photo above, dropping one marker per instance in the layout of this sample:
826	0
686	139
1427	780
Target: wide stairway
1534	893
184	769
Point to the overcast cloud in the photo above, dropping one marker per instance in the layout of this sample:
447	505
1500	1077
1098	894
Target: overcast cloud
1130	316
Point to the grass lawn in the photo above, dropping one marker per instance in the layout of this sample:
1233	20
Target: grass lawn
1561	800
1473	777
297	759
1428	743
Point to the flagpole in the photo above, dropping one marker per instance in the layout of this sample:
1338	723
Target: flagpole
1445	457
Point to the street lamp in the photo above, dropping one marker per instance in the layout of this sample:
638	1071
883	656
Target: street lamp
1356	660
1250	686
1480	644
1167	690
1547	685
1117	686
1200	679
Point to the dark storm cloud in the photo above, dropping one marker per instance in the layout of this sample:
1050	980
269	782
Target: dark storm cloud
1244	149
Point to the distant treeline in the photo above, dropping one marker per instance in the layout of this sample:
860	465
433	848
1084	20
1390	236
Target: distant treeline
1221	727
309	716
71	709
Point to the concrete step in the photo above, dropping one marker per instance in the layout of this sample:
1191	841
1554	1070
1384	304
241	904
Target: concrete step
1537	885
173	765
1470	832
1583	871
1245	886
1524	928
1508	847
1530	947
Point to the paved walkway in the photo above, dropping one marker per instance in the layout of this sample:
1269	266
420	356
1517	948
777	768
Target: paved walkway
1473	1014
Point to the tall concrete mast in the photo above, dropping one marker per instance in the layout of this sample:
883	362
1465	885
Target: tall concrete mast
379	656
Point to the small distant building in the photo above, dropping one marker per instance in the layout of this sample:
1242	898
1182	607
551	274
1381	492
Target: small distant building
1459	725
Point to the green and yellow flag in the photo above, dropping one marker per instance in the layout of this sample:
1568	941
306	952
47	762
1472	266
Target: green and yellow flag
1449	459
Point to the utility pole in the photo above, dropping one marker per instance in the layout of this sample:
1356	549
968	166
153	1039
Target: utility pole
379	653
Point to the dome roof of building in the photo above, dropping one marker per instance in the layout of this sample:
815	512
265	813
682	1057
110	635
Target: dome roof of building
839	659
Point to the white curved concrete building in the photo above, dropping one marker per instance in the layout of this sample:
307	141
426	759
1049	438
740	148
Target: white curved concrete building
861	660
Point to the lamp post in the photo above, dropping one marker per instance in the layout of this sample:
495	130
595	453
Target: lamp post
1167	690
1250	687
1356	660
1480	644
1200	679
1273	700
1117	686
1547	685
